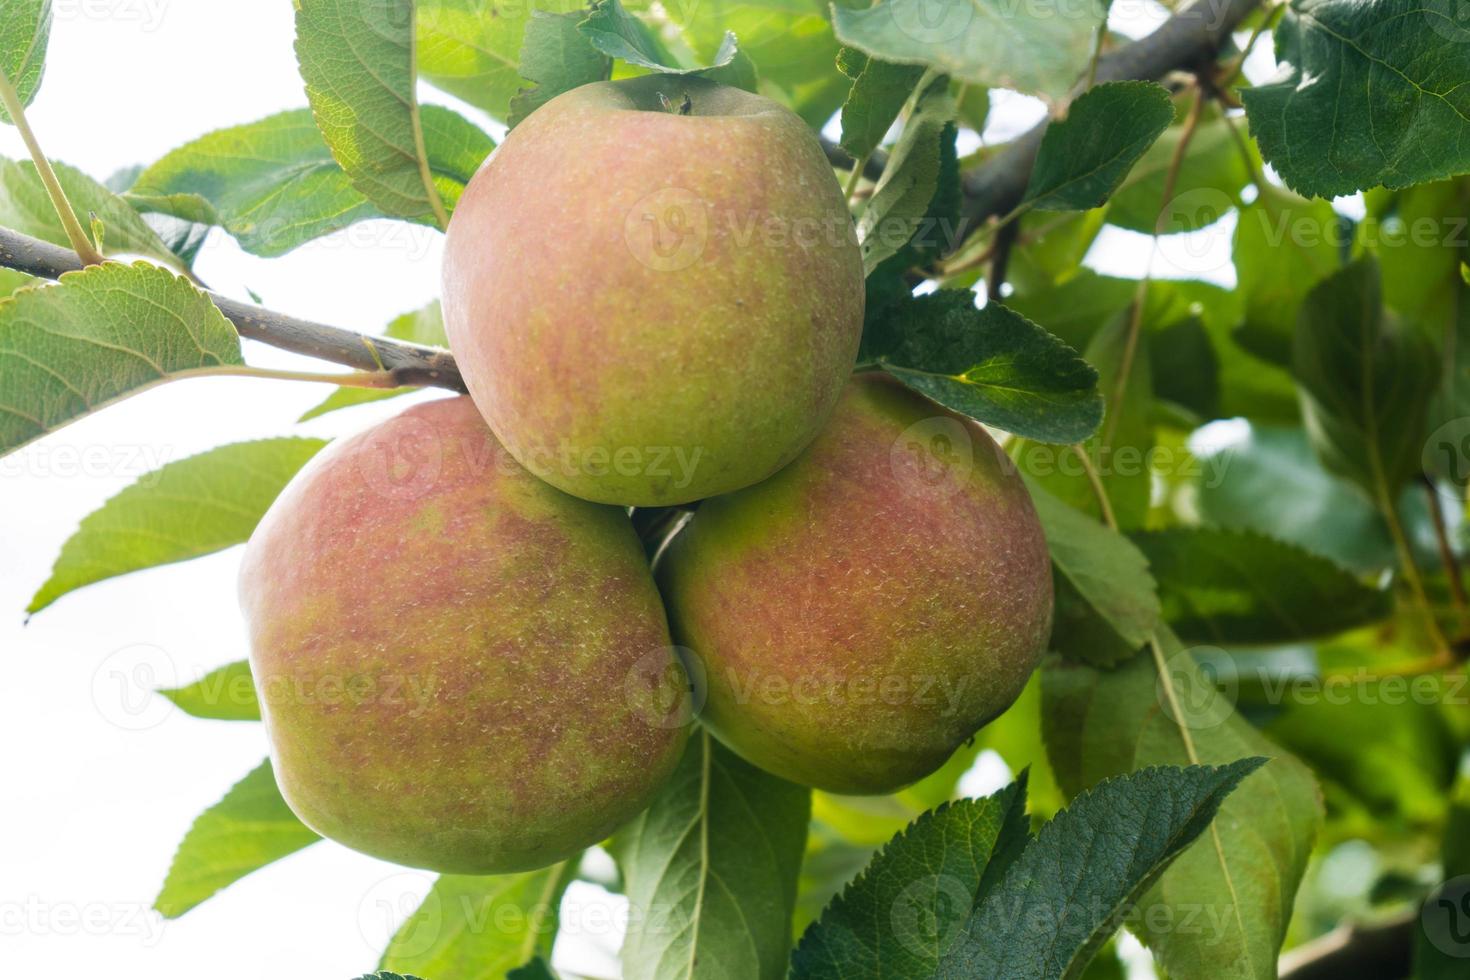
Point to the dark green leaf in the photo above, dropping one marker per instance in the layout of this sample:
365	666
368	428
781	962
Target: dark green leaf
1283	246
272	184
192	507
1229	587
1309	506
1084	157
245	831
907	907
912	176
1106	569
24	32
990	364
1235	886
224	694
481	928
1365	385
1071	888
618	34
557	57
100	335
1371	92
879	92
710	870
1040	48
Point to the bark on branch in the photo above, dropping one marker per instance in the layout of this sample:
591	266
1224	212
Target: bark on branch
410	364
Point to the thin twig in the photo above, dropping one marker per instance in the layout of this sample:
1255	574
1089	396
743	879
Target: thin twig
1447	556
410	364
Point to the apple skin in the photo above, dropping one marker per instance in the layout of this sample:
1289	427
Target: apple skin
460	667
856	618
652	308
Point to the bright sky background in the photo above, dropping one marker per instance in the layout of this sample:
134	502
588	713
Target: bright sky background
101	783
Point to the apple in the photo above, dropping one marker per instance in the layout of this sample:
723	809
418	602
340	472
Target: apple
653	290
460	667
853	620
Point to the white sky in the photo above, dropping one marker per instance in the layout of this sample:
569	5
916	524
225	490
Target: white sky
100	785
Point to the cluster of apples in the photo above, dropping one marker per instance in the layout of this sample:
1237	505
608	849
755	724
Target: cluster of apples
655	296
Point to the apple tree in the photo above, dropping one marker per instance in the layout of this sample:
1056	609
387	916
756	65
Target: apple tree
794	366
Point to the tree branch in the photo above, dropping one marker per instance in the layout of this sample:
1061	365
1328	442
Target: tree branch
997	186
1383	951
409	364
993	188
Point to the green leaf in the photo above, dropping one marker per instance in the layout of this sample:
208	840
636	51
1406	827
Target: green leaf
1123	445
790	40
358	63
1040	48
1418	236
24	31
900	915
1365	385
710	870
272	184
618	34
1237	883
879	92
1229	587
224	694
912	175
471	48
1283	246
1370	92
100	335
481	928
26	207
990	364
1107	570
557	57
1310	507
1071	888
1084	157
189	508
1206	186
245	831
422	326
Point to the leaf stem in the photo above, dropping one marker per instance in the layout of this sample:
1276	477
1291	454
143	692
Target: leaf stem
351	379
1095	478
416	117
75	234
1447	556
